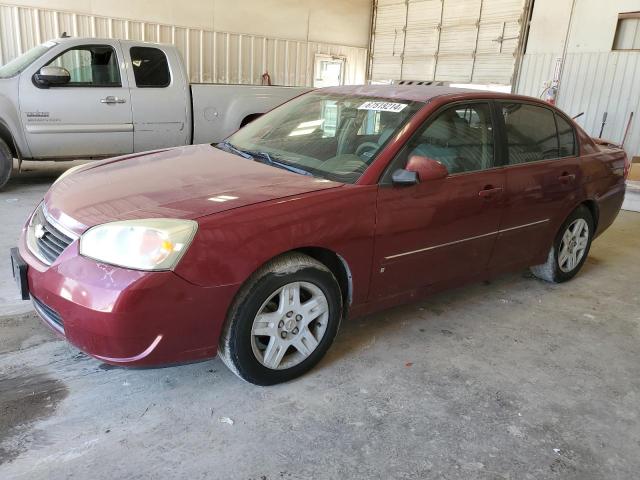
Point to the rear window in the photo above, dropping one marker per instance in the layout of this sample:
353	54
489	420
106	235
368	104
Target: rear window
150	67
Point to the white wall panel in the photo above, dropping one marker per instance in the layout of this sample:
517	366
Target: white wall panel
211	57
332	21
593	83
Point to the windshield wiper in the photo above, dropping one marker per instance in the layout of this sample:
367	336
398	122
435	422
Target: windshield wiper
268	159
263	157
228	146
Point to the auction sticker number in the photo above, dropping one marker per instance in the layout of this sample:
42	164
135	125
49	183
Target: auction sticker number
382	106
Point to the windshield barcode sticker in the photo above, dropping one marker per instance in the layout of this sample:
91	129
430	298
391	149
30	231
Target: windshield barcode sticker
382	106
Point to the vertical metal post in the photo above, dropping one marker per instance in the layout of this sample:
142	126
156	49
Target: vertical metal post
404	38
240	58
36	20
253	57
215	57
17	28
475	49
201	59
435	56
187	53
74	18
286	62
227	51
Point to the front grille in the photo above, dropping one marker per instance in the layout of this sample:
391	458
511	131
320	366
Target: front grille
46	241
52	317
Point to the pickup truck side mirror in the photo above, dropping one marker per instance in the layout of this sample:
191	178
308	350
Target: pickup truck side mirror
419	169
48	76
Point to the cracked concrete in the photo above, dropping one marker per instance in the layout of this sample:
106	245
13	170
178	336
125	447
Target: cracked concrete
511	379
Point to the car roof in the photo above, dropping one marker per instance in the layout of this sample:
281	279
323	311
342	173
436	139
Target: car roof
416	93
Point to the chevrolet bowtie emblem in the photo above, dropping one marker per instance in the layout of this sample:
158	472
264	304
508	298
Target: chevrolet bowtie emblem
38	231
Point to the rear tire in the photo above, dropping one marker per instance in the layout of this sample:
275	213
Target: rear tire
570	248
6	163
283	320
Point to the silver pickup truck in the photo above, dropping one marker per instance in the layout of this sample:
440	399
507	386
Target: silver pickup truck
93	98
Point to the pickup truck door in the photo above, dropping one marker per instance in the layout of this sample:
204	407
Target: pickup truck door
160	96
88	117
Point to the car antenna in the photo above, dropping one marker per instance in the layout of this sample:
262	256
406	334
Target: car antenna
65	35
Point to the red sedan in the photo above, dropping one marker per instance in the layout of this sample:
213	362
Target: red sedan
343	200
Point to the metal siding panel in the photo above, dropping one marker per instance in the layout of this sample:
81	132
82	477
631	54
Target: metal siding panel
209	56
593	83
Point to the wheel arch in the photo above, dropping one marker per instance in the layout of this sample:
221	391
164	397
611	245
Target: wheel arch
7	137
338	266
592	205
250	118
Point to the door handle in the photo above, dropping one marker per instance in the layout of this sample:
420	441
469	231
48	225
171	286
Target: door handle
110	100
566	178
489	192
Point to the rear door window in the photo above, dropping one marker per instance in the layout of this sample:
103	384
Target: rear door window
531	133
150	67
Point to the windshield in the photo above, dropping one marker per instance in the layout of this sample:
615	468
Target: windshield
327	135
18	64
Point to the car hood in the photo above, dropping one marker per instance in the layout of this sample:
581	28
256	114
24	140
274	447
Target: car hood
184	182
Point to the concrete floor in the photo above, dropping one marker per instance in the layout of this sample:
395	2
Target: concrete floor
517	379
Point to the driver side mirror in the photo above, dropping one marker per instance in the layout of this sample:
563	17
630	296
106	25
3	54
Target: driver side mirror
48	76
419	169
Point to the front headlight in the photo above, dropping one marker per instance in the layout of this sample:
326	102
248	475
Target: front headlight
153	244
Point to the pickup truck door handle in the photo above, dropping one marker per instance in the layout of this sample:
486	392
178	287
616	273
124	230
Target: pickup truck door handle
110	100
489	192
566	178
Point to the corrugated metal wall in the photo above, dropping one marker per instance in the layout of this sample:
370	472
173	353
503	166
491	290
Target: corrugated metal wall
593	83
471	41
211	57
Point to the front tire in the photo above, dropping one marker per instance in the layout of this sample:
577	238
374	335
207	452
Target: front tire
570	248
6	163
283	321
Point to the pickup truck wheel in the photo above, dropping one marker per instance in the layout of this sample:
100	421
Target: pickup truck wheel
283	321
570	248
6	163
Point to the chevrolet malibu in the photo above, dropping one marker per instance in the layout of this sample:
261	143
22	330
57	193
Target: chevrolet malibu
345	200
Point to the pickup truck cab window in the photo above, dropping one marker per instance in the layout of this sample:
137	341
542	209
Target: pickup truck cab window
531	133
150	67
90	66
328	135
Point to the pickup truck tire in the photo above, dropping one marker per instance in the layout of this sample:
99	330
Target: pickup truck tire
283	320
570	248
6	163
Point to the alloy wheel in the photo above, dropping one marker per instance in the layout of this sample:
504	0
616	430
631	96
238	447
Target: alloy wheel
573	245
289	325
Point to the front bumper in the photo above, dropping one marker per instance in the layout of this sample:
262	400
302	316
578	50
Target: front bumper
123	316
